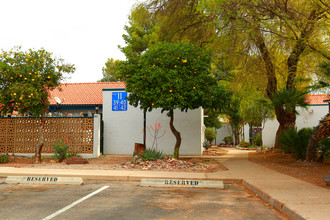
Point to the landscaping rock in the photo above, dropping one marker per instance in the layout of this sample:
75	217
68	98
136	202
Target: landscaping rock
76	160
327	180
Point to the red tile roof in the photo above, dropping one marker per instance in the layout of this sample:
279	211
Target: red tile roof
317	99
83	93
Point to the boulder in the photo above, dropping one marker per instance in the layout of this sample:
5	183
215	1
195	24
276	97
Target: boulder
76	160
327	180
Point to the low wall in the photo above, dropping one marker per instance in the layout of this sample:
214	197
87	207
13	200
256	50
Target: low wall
20	135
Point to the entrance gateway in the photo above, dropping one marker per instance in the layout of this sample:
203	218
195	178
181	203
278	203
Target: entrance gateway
185	183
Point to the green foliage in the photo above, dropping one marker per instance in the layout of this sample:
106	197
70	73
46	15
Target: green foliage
26	79
141	31
61	149
296	142
235	119
244	144
4	158
212	119
170	76
72	154
210	134
110	71
151	155
255	110
288	99
324	148
228	140
257	140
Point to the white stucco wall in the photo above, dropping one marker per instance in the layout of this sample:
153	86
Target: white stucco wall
225	130
222	132
122	129
306	118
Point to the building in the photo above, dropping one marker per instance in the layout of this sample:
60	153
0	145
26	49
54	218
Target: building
79	98
307	118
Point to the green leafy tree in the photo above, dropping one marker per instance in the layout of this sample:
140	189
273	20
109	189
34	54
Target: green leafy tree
110	71
285	102
171	76
211	118
272	44
234	117
26	78
142	31
210	135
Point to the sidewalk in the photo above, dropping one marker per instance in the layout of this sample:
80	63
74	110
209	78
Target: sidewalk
296	198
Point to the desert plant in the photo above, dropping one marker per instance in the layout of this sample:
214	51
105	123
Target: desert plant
151	155
61	149
228	140
72	154
295	141
244	144
154	133
4	158
257	140
210	135
324	149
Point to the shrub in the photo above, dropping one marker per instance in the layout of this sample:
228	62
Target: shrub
206	145
257	140
228	140
72	154
210	134
244	144
61	149
295	142
4	158
151	154
324	149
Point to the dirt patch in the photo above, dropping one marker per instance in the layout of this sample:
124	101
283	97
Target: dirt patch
286	164
215	151
111	162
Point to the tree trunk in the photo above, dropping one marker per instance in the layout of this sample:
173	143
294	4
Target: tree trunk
236	132
177	136
286	120
320	132
41	141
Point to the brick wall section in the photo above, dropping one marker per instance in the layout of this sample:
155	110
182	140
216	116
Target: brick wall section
20	135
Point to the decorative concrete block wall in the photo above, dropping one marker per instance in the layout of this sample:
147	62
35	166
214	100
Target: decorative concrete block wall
122	129
20	135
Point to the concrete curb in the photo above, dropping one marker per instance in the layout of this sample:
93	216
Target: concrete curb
44	180
182	183
274	202
136	176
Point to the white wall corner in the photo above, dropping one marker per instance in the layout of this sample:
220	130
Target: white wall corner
97	135
202	129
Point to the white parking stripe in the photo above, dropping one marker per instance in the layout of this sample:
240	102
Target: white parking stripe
75	203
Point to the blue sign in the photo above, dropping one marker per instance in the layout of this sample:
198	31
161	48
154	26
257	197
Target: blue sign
119	101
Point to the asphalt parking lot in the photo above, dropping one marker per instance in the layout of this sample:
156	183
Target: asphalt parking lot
128	200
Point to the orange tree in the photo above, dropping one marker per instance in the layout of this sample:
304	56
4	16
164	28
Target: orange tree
171	76
26	78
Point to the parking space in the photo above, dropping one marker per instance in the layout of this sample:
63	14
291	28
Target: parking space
128	200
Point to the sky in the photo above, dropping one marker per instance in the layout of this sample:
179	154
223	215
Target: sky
83	33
